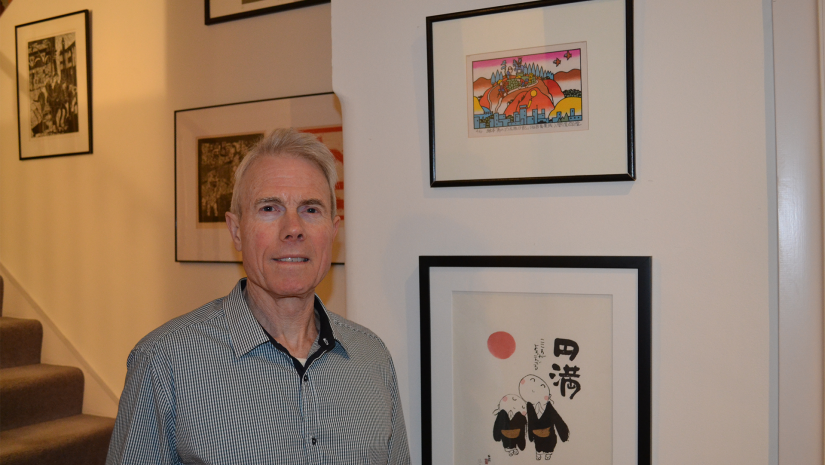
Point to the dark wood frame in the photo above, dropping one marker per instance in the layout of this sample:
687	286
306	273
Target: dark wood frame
208	20
643	265
631	157
88	52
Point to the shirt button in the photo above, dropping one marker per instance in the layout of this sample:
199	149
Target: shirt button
313	441
306	378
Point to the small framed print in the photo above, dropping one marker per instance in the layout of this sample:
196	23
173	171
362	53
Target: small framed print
210	143
54	103
550	100
524	358
220	11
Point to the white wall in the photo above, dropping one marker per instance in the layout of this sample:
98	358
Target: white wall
700	207
91	238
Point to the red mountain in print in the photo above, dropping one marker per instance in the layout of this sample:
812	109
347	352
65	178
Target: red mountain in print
547	92
538	102
569	79
553	90
480	86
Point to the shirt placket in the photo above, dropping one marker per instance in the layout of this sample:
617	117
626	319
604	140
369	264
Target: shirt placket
310	425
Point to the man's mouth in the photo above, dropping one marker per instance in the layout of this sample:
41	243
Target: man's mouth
292	259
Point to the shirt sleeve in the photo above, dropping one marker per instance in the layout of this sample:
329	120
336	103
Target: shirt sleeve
145	425
399	449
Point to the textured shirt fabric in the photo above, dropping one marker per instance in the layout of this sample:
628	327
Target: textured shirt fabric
212	387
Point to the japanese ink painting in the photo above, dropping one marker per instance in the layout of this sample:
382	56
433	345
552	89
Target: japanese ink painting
527	91
532	378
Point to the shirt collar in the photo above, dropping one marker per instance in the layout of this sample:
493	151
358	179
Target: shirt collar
246	333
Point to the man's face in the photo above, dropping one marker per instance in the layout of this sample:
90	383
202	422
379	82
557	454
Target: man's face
286	230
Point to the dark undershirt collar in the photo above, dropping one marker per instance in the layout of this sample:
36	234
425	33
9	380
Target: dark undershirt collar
325	340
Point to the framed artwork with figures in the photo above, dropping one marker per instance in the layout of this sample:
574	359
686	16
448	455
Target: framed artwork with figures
54	103
524	358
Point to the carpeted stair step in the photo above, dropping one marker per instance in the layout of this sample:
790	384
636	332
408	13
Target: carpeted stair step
20	342
35	393
75	440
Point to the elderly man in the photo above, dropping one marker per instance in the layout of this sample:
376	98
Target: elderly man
266	374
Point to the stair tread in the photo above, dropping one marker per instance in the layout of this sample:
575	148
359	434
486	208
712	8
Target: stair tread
87	435
29	373
35	393
11	321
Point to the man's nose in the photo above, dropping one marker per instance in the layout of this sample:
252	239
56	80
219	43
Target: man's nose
292	227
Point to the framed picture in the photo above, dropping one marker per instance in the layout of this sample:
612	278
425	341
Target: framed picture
220	11
54	99
524	358
210	142
537	92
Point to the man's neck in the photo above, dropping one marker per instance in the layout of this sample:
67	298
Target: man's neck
290	320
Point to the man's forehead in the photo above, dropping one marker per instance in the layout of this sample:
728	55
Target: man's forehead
286	178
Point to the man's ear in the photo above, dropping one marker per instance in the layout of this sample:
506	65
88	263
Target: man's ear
233	223
335	224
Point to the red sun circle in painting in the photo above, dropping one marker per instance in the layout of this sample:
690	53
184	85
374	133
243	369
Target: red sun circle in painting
501	344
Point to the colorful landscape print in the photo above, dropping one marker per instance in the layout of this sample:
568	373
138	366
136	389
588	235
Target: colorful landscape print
540	89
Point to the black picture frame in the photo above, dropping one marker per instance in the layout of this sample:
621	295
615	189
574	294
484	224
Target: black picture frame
54	86
507	264
467	162
209	19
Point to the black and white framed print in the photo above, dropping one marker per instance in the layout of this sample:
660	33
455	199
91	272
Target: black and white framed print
54	103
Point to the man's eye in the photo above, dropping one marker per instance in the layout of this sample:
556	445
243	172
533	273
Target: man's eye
268	208
312	210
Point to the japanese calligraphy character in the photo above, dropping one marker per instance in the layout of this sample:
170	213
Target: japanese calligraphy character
567	379
565	347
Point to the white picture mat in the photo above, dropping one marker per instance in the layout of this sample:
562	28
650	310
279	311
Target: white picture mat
481	379
621	284
57	144
218	8
602	149
212	242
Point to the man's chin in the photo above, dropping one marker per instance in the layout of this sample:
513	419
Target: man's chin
285	288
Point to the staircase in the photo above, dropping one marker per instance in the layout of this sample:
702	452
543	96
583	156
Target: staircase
40	405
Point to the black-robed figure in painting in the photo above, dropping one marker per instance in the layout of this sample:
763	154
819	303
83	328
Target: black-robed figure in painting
542	429
510	431
543	421
510	422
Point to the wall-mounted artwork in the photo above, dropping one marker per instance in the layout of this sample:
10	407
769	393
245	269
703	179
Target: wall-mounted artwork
54	110
528	91
219	11
210	143
525	359
536	92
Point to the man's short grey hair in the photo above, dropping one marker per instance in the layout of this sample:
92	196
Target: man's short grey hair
288	142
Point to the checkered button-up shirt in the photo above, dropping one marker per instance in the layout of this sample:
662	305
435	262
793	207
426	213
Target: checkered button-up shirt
211	387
